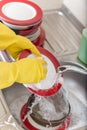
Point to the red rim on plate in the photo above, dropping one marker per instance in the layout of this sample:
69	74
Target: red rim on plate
31	30
29	126
55	88
5	5
40	40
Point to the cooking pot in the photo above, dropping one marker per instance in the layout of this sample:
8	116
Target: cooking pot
46	112
49	110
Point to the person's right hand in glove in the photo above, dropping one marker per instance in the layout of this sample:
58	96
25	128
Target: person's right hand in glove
26	70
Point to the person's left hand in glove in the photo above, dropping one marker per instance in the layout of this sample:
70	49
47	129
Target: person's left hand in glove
15	44
26	70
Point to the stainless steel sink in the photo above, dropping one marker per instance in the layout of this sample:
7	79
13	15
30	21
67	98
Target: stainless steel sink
75	90
63	43
75	85
16	96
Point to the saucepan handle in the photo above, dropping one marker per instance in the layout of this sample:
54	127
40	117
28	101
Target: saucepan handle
64	68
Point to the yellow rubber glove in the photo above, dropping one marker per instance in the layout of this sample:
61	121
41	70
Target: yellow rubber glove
13	43
8	74
27	70
31	70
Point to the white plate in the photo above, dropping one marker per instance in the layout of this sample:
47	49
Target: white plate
20	12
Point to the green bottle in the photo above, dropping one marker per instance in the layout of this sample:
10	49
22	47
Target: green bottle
82	54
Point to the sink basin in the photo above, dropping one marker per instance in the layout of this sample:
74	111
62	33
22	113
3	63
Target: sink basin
18	97
75	90
75	85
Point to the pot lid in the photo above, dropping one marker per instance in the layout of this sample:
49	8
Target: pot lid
20	12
